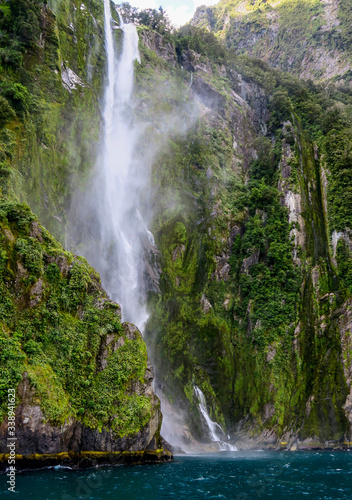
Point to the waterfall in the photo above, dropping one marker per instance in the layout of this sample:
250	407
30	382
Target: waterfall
109	220
106	225
214	429
111	209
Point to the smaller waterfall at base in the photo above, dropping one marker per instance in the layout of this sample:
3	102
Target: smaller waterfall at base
215	430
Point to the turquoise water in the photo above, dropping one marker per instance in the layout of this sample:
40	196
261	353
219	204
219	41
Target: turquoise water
235	476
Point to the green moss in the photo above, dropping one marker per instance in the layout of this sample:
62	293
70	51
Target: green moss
48	142
237	314
247	338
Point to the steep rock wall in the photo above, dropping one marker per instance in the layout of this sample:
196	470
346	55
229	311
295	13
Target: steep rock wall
309	39
82	379
250	296
250	281
52	78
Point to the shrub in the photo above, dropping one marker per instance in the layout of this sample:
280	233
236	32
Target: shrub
26	15
6	112
10	56
18	96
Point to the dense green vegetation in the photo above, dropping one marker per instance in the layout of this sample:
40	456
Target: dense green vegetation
234	334
247	310
58	326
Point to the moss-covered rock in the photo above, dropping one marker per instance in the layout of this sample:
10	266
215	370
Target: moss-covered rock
51	78
251	281
81	376
250	295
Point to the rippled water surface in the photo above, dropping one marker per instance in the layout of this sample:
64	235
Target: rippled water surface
235	476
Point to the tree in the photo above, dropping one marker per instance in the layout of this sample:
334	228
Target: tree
26	15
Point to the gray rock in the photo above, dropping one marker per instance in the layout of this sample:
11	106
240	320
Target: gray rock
156	42
250	261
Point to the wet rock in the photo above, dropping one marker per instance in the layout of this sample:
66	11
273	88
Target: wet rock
61	262
269	410
106	303
345	327
70	80
208	95
8	235
36	293
250	261
178	252
36	232
190	61
35	435
270	354
206	305
131	331
152	267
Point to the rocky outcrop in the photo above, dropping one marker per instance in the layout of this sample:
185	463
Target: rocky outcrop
103	356
345	327
69	79
152	268
35	435
156	42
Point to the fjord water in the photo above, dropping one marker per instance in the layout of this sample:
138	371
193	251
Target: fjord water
226	475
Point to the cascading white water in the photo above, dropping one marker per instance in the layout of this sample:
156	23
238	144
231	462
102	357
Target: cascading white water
215	430
120	181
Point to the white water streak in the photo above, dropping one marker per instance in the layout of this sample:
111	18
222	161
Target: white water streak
215	430
120	181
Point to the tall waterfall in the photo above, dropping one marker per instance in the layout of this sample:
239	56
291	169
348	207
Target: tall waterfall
109	221
120	221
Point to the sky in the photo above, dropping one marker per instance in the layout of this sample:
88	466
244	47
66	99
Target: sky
179	11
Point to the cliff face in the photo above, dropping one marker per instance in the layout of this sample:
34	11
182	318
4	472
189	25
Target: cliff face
309	39
51	80
254	300
83	380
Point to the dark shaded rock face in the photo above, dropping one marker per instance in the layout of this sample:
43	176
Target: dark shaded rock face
152	268
208	95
